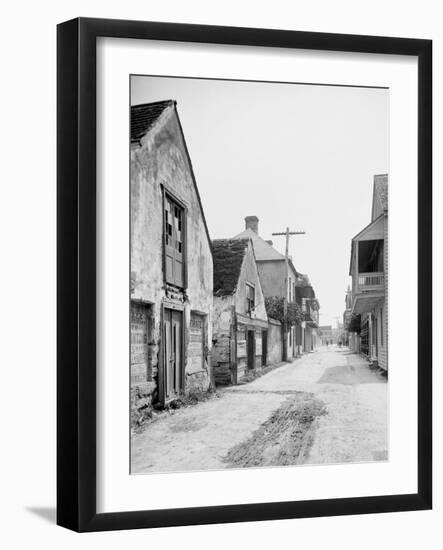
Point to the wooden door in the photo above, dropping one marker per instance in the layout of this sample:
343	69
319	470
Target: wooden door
251	349
264	347
172	353
375	336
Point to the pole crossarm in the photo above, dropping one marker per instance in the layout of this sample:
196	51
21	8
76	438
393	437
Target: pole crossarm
291	233
286	234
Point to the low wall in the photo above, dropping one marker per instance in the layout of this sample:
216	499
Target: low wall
274	342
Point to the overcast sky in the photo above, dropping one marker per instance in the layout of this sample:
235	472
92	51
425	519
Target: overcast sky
294	155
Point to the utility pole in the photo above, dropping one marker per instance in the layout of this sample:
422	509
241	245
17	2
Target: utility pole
287	234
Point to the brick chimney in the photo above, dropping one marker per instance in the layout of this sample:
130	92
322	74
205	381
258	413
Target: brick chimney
251	222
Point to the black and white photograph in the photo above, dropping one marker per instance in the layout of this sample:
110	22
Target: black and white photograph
259	320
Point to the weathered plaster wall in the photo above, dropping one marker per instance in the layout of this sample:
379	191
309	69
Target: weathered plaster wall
223	334
310	339
249	274
274	341
272	277
161	159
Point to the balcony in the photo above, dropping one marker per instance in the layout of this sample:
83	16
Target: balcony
370	281
368	290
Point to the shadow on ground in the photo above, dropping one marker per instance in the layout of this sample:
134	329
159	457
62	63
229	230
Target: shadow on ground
46	513
350	375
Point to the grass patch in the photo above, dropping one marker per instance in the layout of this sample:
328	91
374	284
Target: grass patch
153	413
258	373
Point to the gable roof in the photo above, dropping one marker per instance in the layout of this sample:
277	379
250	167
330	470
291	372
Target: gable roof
365	229
263	250
144	116
228	257
357	237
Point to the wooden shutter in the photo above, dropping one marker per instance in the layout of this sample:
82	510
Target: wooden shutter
169	241
179	245
174	243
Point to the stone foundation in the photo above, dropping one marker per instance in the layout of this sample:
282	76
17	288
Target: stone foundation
198	381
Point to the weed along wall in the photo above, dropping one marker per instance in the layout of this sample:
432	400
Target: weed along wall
171	264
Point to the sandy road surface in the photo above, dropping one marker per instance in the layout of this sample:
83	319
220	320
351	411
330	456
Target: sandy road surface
326	407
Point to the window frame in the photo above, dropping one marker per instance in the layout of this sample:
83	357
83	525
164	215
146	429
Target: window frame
249	287
168	195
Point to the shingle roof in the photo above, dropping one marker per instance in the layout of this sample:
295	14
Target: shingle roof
381	190
144	116
380	195
228	257
263	250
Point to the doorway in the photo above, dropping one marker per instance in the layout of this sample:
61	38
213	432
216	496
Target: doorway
251	349
264	347
172	353
374	327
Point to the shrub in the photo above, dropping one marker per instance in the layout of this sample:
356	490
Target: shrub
275	309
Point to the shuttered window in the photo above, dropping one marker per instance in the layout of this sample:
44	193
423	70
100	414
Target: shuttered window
250	298
174	242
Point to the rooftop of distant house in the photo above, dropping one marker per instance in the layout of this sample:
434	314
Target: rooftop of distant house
264	250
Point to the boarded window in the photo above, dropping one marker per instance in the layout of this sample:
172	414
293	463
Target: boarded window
174	242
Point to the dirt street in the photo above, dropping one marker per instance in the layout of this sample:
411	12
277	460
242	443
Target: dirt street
327	407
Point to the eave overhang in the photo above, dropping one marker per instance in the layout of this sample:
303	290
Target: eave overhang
364	302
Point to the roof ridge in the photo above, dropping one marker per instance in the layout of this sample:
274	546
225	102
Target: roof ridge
165	101
144	116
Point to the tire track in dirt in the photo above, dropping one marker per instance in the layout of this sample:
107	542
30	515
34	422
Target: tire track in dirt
284	438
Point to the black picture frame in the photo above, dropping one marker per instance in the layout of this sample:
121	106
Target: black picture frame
76	279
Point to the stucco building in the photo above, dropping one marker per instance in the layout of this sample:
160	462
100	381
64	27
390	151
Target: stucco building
369	272
347	317
325	334
171	262
240	322
307	331
273	275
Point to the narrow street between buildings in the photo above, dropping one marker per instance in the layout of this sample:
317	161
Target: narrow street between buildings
326	407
